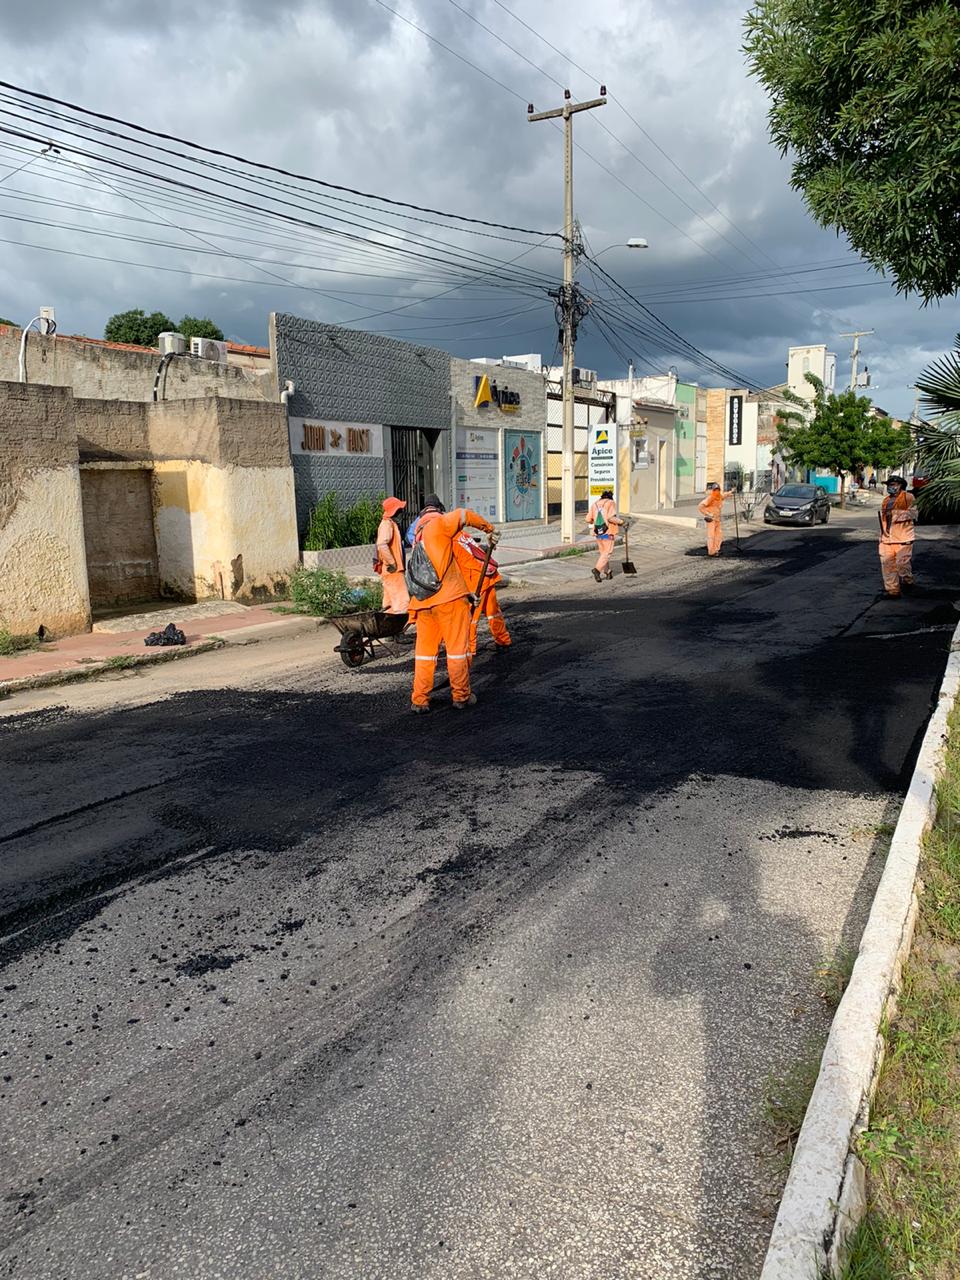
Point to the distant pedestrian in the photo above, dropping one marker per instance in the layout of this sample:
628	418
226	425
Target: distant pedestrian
389	561
898	515
604	521
872	483
711	508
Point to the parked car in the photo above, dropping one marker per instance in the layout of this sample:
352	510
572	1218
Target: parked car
804	504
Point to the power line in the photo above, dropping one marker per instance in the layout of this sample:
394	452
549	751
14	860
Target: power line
257	164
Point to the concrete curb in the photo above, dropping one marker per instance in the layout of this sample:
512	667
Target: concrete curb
72	675
824	1198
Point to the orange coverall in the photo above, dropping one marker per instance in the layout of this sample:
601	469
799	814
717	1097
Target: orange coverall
444	617
897	519
396	598
467	552
604	544
712	506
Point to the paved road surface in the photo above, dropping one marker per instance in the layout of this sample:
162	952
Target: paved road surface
297	985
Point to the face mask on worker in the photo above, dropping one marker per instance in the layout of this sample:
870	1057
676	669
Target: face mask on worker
893	490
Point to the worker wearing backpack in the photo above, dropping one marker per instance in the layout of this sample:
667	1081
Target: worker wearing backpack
440	606
604	521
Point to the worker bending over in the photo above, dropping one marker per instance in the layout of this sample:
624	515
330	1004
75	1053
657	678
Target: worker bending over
389	561
470	557
711	509
898	516
604	521
444	616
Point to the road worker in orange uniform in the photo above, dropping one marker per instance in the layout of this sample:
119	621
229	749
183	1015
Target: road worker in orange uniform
898	516
396	598
444	617
470	558
604	521
711	509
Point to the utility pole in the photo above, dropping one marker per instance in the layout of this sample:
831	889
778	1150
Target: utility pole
571	308
855	353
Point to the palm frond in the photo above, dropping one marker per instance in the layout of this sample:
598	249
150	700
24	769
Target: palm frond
939	384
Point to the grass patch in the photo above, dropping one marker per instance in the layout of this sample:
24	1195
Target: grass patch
911	1149
120	662
787	1096
328	594
834	974
11	644
572	551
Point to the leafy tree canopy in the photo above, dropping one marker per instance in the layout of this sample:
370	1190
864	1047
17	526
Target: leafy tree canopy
199	327
136	327
144	330
867	97
843	434
12	323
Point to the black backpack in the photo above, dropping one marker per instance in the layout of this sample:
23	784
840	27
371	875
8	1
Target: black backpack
421	577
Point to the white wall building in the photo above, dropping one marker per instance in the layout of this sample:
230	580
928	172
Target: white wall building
816	360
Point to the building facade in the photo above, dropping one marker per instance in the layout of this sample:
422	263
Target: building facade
369	415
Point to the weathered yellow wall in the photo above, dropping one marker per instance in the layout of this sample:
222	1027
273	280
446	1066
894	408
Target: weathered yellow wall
43	570
224	531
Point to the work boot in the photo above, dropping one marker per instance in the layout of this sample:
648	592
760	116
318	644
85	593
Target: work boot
419	709
596	575
466	702
608	575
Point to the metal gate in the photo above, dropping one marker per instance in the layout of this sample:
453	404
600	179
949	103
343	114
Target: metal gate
413	465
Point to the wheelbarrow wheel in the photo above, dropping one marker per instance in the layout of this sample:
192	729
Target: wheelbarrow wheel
352	650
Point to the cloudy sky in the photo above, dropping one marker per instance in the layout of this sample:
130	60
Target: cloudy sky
346	91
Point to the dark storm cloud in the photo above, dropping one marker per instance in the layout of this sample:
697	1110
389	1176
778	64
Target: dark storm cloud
344	90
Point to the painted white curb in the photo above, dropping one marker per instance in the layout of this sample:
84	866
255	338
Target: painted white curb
824	1197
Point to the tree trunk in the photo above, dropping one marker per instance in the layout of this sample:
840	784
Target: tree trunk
843	481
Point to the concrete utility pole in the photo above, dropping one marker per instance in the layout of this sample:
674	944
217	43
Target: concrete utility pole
571	308
855	353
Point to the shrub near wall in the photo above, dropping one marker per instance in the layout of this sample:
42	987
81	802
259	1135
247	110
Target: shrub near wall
333	526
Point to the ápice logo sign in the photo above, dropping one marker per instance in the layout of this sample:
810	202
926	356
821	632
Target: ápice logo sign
486	393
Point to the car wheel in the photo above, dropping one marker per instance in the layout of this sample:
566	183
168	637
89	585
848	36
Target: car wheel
826	516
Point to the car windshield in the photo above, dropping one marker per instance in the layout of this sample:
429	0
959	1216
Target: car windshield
796	491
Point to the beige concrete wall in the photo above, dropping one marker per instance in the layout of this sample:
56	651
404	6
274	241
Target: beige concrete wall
716	432
102	372
43	575
224	531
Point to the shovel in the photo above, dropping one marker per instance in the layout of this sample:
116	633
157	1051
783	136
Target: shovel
628	567
481	589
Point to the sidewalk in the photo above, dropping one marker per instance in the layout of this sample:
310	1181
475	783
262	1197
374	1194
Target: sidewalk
118	643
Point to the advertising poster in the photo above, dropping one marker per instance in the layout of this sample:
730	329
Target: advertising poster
478	471
522	470
602	460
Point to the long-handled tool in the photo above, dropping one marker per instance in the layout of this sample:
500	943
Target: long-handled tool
628	567
492	541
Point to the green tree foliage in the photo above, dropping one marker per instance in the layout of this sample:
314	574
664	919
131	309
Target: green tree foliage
12	323
867	98
842	434
144	330
936	443
199	327
136	327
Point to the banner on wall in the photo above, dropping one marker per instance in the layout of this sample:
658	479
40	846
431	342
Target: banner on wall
602	465
735	435
478	471
522	474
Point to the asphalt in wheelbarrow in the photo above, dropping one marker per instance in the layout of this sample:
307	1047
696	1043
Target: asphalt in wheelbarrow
372	623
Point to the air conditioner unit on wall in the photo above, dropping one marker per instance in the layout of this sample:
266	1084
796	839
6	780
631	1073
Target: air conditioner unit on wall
584	377
209	349
172	344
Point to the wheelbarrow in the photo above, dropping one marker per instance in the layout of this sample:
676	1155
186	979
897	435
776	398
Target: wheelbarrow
361	633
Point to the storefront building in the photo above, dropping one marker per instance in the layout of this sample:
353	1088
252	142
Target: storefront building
369	415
